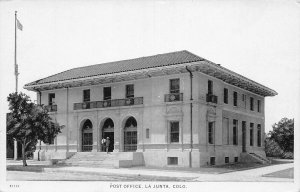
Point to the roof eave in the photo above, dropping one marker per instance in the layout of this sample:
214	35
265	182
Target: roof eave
206	67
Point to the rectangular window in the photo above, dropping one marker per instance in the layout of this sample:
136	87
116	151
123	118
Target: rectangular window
244	101
258	105
211	132
129	91
106	93
225	95
251	133
172	160
251	103
236	159
235	132
226	159
212	160
235	98
225	126
174	86
174	132
258	135
210	87
51	100
86	95
147	133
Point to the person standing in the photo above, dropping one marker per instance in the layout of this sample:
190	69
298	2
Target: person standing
107	143
103	144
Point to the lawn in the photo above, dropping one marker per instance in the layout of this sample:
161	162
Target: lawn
287	173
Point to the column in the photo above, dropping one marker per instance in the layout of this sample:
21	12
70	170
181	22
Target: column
15	149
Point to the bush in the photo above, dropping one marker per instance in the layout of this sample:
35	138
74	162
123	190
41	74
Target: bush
273	150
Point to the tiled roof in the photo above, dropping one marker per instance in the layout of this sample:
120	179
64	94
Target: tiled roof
159	60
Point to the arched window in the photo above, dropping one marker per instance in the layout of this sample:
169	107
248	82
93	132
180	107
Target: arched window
87	136
130	135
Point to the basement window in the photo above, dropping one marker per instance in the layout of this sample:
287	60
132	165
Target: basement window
226	159
172	160
212	160
236	159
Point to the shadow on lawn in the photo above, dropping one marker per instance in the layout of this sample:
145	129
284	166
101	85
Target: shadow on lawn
28	168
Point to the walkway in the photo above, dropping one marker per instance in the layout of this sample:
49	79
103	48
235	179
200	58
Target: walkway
254	174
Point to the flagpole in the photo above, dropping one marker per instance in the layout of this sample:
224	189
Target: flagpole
16	65
16	74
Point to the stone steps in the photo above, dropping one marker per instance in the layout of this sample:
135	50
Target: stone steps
96	159
263	160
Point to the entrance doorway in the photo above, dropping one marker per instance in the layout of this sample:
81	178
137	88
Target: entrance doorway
108	131
130	135
87	136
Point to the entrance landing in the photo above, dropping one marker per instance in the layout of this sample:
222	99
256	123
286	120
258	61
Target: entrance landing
102	159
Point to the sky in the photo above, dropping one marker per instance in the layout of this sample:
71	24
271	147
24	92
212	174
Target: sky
257	39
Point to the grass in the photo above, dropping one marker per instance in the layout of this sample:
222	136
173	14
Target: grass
287	173
29	168
217	169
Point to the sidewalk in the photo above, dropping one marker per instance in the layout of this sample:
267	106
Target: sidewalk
246	175
255	174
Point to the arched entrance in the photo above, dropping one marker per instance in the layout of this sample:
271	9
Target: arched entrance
108	131
87	136
130	134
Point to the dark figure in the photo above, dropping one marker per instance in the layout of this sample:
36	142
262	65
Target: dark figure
107	143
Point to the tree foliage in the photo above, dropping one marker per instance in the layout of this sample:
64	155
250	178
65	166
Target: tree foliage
28	122
283	134
280	141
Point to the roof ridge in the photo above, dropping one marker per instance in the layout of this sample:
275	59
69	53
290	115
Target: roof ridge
110	62
114	62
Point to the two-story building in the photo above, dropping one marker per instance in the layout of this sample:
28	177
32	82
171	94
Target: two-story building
175	109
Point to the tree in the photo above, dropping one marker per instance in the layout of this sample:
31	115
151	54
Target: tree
29	122
283	136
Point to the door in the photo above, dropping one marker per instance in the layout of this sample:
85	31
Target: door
111	138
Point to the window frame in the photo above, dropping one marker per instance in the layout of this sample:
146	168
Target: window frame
225	95
171	86
172	160
172	132
251	104
147	133
244	99
50	99
105	92
235	99
259	135
258	106
251	134
235	125
226	160
210	87
211	132
128	93
84	96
